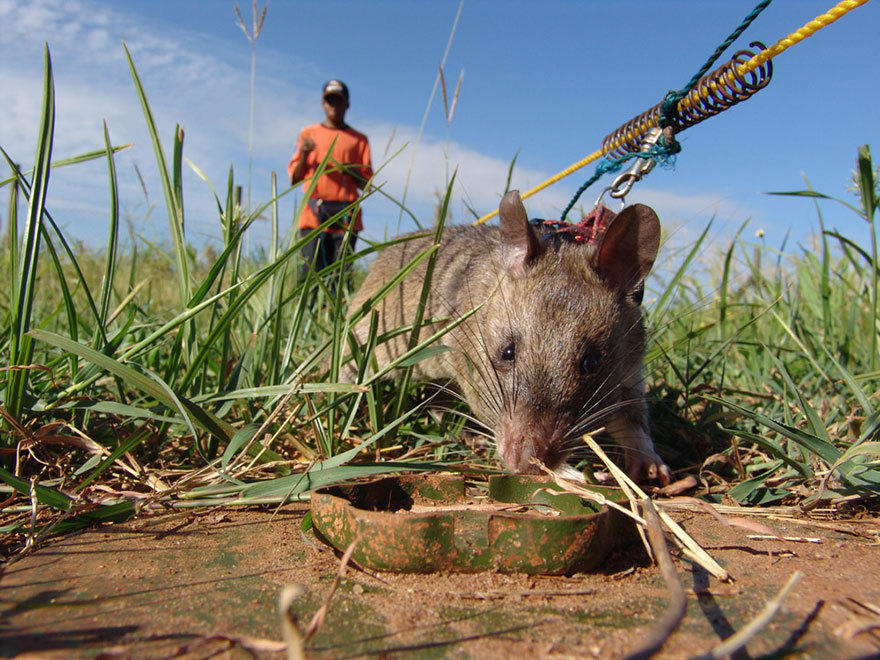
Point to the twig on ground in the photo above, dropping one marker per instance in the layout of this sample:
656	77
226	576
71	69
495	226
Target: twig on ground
731	521
521	593
289	627
318	620
742	637
689	547
296	639
865	618
677	607
787	514
773	537
201	647
687	504
684	484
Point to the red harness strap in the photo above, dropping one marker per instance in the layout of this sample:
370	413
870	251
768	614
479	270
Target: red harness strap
588	231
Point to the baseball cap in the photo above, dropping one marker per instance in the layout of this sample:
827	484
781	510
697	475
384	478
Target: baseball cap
335	87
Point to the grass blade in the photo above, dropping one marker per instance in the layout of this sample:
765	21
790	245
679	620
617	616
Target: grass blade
173	204
21	348
112	237
48	496
74	160
811	443
138	437
659	307
139	381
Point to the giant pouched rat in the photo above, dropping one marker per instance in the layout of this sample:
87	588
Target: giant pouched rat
555	349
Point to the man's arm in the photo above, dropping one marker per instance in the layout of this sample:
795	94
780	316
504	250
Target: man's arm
354	171
361	171
307	145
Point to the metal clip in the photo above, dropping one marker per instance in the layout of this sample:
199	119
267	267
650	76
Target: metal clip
602	194
621	186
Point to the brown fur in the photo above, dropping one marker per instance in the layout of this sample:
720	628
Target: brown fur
556	306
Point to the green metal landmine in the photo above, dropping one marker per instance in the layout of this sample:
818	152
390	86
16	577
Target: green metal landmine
429	523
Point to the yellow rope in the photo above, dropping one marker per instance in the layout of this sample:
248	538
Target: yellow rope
797	36
807	30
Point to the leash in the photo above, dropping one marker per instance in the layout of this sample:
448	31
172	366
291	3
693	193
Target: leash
742	76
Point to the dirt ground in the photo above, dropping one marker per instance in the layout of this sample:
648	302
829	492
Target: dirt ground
194	586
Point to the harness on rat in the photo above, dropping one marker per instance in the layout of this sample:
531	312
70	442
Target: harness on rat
592	227
588	231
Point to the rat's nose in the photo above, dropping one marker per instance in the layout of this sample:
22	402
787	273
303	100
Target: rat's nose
522	437
517	453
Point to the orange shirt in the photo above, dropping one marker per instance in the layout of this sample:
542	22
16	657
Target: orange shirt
351	148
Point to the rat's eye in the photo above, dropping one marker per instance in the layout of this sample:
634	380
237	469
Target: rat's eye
589	363
509	352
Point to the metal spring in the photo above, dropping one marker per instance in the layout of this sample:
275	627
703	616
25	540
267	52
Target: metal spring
714	92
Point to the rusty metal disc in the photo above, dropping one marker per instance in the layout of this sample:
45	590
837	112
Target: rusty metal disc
429	522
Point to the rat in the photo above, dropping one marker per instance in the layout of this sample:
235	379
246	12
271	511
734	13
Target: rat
556	345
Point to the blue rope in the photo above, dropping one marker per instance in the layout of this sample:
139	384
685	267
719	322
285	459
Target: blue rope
661	152
670	103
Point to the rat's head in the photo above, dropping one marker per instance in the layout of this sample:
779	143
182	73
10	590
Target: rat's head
560	335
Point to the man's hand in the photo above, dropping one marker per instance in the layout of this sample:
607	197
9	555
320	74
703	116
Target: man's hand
307	145
352	170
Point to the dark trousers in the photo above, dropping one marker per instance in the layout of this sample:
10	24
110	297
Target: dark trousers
323	250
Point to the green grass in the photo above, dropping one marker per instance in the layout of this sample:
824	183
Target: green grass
776	354
205	379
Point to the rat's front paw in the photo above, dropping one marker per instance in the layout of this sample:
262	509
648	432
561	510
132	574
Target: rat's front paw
569	472
644	465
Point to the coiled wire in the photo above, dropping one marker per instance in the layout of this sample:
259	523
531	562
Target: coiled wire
714	92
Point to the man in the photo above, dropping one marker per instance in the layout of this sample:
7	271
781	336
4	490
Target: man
348	170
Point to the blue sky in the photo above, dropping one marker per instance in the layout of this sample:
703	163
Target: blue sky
546	80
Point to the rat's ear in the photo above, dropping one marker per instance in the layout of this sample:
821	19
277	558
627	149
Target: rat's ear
628	248
519	243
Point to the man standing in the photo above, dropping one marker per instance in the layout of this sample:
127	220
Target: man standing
348	170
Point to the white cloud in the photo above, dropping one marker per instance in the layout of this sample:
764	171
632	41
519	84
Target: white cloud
189	79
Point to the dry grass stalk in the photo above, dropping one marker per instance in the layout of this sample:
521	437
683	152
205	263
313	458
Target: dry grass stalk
289	628
524	593
31	535
794	539
455	96
689	547
294	638
205	647
587	494
388	143
264	428
687	504
788	514
741	637
252	37
258	18
449	109
677	607
443	91
421	130
731	521
634	505
123	304
320	615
